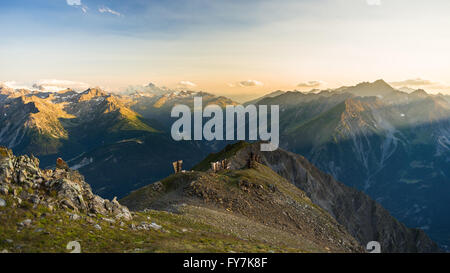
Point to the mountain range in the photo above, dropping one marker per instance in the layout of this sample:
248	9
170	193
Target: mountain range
390	144
101	134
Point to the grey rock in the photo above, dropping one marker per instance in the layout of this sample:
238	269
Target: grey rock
74	217
4	190
34	199
2	202
25	223
109	220
155	226
97	226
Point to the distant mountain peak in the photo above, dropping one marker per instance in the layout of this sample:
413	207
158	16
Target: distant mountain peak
378	88
406	89
420	93
92	93
376	84
65	91
381	82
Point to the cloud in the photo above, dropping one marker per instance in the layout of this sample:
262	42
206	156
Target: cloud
418	83
186	84
247	83
14	85
310	84
108	10
414	82
74	2
147	88
373	2
77	4
53	85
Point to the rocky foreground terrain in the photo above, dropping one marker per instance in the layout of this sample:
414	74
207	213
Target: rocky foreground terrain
26	185
277	203
44	210
255	203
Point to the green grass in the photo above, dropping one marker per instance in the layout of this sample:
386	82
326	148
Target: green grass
179	233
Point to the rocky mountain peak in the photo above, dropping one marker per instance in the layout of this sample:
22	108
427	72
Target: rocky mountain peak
65	91
366	89
92	93
25	183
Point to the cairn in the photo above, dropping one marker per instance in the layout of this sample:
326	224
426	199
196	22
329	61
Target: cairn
253	159
178	166
220	165
61	164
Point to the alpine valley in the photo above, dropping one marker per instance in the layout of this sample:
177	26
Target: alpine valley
389	149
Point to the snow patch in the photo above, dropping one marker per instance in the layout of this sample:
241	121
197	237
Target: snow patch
84	162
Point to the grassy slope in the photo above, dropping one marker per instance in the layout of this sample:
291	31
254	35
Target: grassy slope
51	231
256	204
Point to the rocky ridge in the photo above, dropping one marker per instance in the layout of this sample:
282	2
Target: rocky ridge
23	180
364	218
253	202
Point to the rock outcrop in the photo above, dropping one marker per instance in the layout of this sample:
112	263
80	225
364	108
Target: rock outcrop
21	177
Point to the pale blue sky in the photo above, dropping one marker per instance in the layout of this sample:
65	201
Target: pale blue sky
236	48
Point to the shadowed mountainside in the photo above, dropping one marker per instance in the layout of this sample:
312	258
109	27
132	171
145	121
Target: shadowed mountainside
364	218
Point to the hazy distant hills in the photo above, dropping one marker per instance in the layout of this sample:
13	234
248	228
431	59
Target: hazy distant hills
158	107
393	145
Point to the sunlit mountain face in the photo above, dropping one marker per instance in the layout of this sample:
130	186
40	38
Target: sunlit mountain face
119	141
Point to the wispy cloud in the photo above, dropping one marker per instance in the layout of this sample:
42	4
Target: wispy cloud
310	84
105	9
77	4
414	82
373	2
74	2
186	84
14	85
246	83
417	83
54	85
49	85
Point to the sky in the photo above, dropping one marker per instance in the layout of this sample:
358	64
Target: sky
240	49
